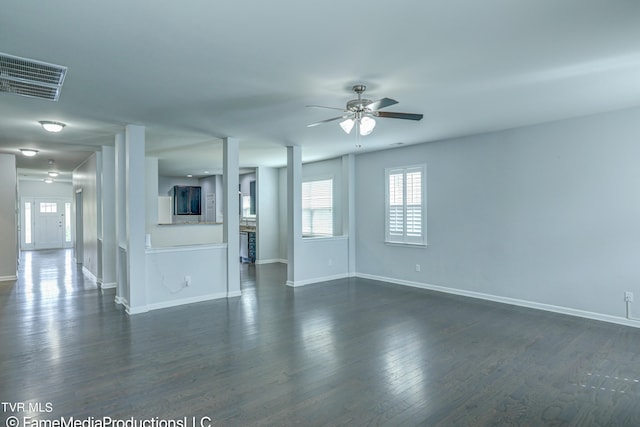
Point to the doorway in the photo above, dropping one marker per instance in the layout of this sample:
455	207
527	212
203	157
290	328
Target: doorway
46	223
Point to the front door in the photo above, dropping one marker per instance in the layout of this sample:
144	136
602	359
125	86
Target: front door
49	224
45	223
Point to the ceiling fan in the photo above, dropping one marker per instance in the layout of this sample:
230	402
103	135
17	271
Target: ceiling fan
361	112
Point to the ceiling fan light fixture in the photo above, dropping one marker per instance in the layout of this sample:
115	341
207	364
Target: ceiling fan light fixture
366	125
347	125
28	152
50	126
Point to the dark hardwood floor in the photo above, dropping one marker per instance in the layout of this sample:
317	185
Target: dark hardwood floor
346	352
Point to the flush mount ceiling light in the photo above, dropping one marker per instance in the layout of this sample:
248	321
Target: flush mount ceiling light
53	174
48	180
50	126
28	152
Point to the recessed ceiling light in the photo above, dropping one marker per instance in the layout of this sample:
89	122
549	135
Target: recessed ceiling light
28	152
206	171
50	126
53	174
189	176
48	180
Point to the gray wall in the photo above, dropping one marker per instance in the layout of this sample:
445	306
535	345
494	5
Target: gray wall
548	214
8	221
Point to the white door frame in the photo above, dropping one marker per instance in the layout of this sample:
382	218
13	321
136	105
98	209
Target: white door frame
34	204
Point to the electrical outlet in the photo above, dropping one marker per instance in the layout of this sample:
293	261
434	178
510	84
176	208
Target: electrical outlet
628	296
418	267
187	280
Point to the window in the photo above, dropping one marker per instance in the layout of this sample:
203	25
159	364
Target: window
317	208
246	206
28	240
48	207
406	205
67	222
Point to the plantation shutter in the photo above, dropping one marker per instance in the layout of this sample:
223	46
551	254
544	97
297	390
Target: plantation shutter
405	197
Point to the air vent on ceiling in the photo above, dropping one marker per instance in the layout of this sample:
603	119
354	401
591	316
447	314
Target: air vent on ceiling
31	78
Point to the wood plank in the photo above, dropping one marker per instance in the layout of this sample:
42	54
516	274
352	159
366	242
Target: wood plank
345	352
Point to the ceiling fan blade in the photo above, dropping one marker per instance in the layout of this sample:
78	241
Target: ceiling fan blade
380	103
391	115
322	106
325	121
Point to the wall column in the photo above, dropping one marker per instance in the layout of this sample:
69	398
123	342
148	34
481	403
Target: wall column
108	231
9	224
349	209
231	225
122	286
294	211
135	218
267	215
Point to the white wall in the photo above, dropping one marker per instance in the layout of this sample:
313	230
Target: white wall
166	270
184	234
245	182
321	259
267	201
282	213
166	183
57	189
208	185
546	215
85	180
8	220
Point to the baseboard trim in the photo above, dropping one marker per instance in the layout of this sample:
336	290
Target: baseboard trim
9	278
295	284
137	310
234	294
182	301
506	300
89	274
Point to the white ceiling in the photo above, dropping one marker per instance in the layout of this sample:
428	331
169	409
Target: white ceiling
193	72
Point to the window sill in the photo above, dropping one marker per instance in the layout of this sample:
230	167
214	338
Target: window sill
407	245
305	237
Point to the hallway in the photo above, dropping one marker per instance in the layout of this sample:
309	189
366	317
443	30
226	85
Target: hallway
346	352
